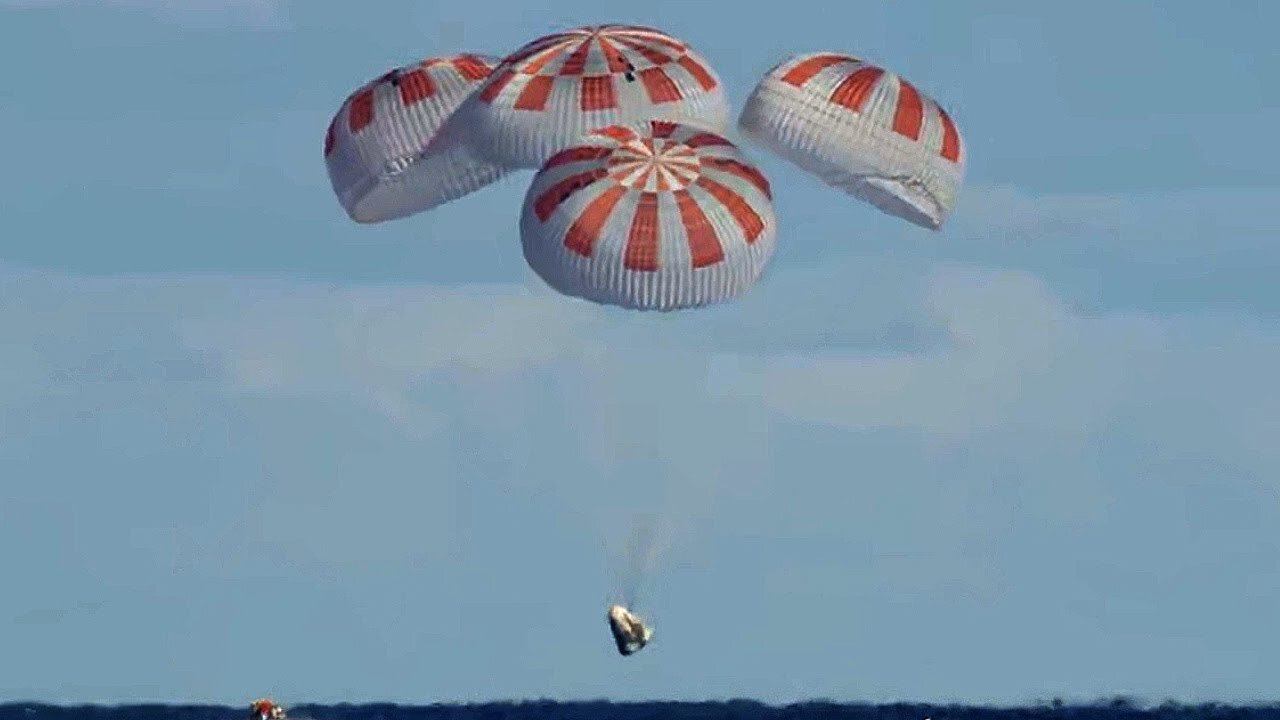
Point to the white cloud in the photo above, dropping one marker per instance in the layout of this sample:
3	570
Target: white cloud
942	432
992	349
378	343
1013	355
992	353
251	13
1164	226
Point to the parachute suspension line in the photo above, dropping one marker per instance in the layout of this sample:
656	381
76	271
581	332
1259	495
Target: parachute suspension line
601	457
639	568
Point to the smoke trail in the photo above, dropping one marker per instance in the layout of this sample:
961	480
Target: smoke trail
663	453
654	535
684	479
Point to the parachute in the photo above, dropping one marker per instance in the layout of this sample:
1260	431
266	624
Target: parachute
374	144
547	94
861	129
652	216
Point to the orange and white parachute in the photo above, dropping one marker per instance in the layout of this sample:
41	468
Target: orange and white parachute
649	216
374	145
550	92
862	129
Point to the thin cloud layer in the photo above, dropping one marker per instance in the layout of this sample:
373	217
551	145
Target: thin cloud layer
964	441
250	13
1014	353
996	351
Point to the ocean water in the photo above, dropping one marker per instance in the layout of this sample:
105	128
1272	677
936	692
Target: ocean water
1118	709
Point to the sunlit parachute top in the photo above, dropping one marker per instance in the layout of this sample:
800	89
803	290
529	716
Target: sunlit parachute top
651	216
862	129
551	91
381	130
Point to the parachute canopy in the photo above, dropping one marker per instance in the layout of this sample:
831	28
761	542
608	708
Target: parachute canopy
651	216
862	129
550	92
375	142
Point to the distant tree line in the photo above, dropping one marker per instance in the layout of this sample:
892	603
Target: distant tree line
1119	708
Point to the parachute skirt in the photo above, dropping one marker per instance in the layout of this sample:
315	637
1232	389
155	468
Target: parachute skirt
610	283
412	184
874	164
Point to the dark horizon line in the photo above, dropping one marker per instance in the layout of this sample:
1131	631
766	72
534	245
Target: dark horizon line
1114	702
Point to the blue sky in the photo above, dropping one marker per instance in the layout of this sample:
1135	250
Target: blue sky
1032	454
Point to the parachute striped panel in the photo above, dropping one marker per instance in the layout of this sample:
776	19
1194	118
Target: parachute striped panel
556	88
862	129
381	130
649	216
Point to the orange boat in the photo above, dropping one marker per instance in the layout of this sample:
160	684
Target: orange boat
266	709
